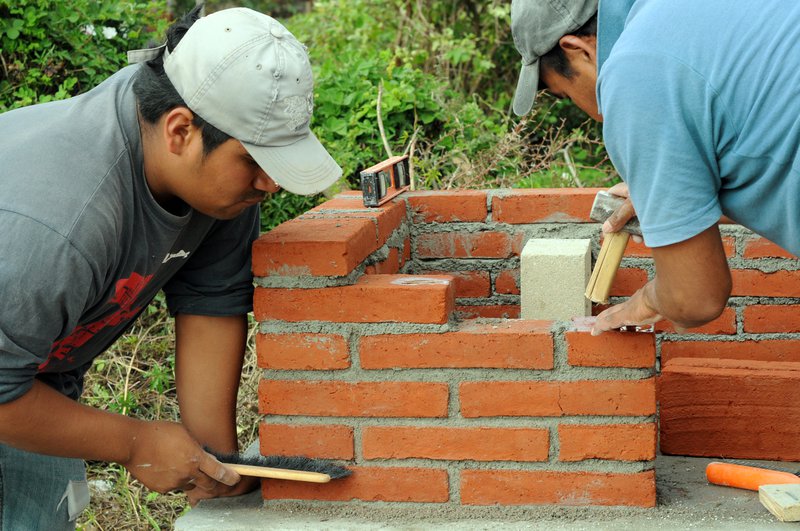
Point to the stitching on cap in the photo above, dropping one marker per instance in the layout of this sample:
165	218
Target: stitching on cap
214	74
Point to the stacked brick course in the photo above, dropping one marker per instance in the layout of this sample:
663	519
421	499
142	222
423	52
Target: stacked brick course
390	339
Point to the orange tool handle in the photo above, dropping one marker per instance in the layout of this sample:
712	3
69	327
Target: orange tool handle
746	477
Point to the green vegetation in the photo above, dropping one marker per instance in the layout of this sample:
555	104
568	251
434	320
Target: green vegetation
445	71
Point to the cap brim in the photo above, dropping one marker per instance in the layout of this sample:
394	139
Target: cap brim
304	167
527	86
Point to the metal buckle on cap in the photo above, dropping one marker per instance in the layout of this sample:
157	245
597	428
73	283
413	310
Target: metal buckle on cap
144	54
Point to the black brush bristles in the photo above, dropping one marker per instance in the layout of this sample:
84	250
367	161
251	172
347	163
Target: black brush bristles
286	462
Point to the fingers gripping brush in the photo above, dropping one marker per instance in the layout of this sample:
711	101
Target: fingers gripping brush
283	467
610	255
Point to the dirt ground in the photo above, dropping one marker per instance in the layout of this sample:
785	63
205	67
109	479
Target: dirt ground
685	501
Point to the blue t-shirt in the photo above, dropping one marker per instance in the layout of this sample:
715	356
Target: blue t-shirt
701	108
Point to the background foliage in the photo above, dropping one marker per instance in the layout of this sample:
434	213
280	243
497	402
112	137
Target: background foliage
445	71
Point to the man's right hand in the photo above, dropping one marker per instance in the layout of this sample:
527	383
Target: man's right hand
162	455
165	457
620	217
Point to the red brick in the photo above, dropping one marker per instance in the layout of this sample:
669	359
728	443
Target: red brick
348	399
544	205
731	408
390	266
406	252
387	218
507	282
314	247
628	281
622	442
474	444
371	484
464	245
641	250
468	283
517	344
757	247
766	350
442	207
772	318
320	441
555	399
302	351
494	311
724	324
373	299
749	282
611	349
517	487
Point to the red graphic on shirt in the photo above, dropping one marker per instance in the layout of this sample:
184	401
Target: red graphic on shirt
125	293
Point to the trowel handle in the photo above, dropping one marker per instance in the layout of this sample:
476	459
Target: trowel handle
605	268
746	477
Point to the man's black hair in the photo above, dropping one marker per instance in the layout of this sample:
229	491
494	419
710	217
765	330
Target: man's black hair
156	95
556	59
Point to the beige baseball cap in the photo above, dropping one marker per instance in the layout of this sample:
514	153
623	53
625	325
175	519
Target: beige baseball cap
537	26
248	76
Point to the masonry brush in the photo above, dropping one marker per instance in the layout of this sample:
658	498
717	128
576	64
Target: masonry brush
294	468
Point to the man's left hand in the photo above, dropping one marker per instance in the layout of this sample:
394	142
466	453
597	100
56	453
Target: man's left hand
247	484
636	311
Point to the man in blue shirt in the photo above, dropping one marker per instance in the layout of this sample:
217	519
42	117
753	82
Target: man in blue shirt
697	101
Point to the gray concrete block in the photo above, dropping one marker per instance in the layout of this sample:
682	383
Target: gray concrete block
553	277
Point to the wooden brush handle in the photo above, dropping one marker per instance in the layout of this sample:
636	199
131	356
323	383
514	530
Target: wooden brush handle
605	268
746	477
279	473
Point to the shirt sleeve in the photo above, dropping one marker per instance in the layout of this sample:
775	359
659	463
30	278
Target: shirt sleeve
45	285
218	280
660	132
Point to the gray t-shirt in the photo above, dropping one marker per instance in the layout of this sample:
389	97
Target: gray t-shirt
84	246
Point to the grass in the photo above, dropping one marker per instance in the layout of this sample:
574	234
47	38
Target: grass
135	377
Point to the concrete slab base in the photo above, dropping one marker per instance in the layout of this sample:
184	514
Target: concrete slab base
685	501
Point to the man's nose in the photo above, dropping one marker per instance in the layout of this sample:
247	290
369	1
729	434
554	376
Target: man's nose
265	183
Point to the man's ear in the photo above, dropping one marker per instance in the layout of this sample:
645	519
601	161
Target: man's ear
577	48
179	131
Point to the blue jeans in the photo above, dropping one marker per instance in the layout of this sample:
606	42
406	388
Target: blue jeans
40	491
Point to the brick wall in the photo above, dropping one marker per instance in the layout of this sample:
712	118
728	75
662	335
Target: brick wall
390	340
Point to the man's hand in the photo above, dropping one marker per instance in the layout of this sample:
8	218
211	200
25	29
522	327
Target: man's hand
620	217
691	287
247	484
165	457
636	311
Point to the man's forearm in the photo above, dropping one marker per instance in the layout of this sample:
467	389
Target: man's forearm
210	352
45	421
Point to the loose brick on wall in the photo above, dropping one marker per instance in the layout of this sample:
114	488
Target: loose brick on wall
766	350
732	408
